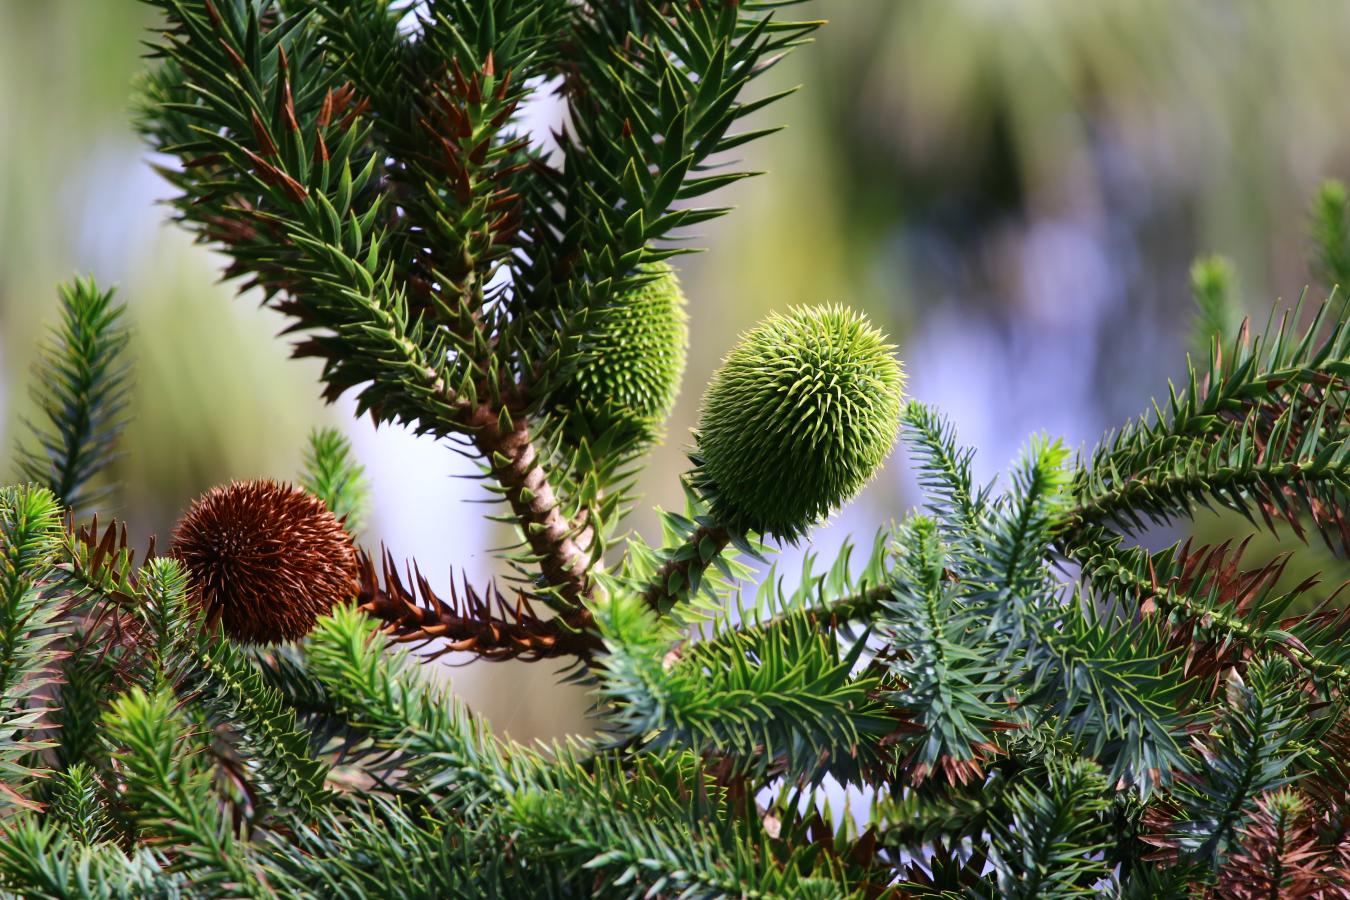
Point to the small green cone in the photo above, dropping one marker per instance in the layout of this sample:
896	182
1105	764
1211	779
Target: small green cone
799	417
629	369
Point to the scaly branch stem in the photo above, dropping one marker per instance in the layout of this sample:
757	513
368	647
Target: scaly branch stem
485	624
704	545
862	606
562	548
698	553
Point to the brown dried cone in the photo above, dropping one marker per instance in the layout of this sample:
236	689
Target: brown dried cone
266	559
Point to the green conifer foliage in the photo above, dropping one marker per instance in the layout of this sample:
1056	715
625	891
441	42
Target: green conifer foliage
80	385
799	417
1218	312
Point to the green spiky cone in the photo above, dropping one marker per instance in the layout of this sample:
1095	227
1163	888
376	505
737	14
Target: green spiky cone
799	417
629	369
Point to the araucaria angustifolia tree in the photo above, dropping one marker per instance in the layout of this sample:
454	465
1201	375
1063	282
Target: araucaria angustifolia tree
1031	702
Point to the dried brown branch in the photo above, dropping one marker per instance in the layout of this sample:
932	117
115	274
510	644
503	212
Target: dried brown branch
1234	597
1220	613
487	625
1278	855
101	563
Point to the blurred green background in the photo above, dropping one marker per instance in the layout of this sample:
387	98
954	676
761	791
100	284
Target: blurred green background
1014	189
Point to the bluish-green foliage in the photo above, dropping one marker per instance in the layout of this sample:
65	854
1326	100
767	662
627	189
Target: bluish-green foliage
29	523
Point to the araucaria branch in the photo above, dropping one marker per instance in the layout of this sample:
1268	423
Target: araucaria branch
1031	701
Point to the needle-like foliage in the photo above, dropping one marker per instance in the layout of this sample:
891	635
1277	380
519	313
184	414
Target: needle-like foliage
334	476
1218	311
29	519
80	387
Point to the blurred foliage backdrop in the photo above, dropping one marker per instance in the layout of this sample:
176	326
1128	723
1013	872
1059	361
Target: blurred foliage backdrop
1014	189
